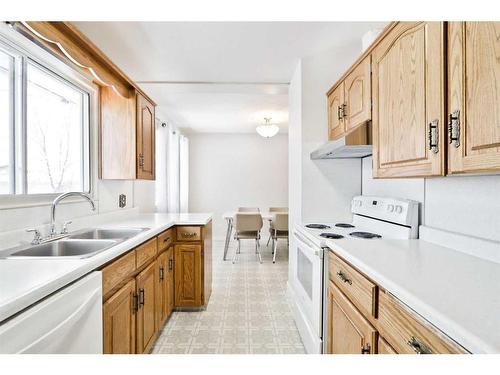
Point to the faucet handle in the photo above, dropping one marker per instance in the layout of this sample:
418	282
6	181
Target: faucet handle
65	227
38	237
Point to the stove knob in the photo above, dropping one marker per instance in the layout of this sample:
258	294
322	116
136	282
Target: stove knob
399	209
390	208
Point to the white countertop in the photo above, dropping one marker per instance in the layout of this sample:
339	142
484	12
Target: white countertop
457	292
26	281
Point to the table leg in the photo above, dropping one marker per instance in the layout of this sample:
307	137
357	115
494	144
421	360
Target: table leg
228	236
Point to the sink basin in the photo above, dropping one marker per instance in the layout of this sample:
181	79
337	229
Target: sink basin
105	234
66	248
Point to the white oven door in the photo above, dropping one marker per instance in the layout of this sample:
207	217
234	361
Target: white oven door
308	281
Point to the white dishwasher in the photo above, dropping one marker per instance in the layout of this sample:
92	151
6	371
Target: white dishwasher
69	321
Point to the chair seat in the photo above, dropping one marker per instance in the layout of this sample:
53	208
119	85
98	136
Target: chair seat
246	235
280	234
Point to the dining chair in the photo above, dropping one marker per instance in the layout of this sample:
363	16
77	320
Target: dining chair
248	209
247	226
279	224
272	210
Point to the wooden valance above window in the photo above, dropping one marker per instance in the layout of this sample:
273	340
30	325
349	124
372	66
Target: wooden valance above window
72	46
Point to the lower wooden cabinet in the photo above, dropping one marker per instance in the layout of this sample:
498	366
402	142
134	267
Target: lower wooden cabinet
187	276
348	331
384	347
146	317
352	328
119	321
142	287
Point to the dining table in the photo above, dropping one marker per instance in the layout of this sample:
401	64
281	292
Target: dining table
229	217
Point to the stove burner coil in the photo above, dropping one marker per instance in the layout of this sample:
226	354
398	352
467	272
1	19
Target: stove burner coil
332	236
317	226
365	235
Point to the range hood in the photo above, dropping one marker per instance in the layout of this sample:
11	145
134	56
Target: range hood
356	144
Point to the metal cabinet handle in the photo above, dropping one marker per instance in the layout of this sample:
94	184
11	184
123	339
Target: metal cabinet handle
454	128
141	160
418	346
141	297
162	273
344	112
365	349
170	264
339	113
166	239
135	303
188	234
344	278
434	136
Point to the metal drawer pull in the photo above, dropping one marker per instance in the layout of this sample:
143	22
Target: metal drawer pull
418	346
344	278
141	297
188	234
162	273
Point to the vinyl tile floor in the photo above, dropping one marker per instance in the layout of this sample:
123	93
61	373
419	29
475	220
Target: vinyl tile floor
248	312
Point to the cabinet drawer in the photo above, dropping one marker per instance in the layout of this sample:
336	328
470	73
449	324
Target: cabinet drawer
165	239
146	252
116	272
408	333
188	233
361	291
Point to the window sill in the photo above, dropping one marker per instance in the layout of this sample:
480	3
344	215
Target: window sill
42	200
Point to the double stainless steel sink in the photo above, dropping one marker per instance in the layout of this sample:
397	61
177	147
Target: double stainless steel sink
81	244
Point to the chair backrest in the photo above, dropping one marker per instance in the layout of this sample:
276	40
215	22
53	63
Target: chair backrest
248	209
280	221
247	221
278	209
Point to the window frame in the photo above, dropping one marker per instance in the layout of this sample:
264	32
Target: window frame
26	51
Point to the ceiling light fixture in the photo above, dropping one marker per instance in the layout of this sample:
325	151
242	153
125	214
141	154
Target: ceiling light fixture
267	130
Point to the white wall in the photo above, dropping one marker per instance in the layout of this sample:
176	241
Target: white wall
326	186
468	205
232	170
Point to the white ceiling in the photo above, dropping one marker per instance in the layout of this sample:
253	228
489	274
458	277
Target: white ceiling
218	76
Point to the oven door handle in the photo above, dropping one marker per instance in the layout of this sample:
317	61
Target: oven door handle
317	250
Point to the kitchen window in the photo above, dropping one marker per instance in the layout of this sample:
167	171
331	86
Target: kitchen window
44	127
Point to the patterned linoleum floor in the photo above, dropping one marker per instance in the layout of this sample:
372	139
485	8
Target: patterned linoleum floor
248	311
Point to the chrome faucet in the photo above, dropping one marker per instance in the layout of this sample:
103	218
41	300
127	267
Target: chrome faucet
60	198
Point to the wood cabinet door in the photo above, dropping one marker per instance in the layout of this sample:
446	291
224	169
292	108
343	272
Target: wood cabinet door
161	289
146	317
145	139
384	347
408	101
348	331
335	120
117	139
474	96
187	275
119	321
170	281
358	96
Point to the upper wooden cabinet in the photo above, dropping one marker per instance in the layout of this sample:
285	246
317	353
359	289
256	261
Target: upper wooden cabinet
145	139
349	101
335	99
474	97
117	135
408	101
358	95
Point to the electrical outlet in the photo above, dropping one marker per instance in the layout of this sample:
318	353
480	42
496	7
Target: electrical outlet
122	200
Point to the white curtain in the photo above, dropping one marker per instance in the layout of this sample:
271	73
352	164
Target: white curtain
172	170
184	173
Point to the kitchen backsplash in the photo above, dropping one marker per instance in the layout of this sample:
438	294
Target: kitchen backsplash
468	205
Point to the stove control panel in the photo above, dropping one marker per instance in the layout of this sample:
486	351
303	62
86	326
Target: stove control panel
400	211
